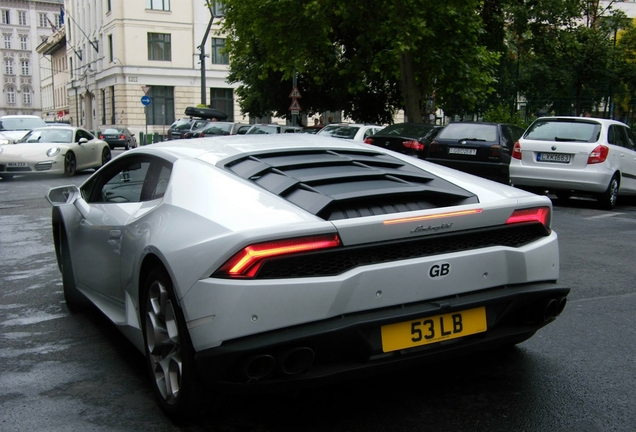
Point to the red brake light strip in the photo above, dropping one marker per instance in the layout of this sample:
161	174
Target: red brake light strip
537	214
246	262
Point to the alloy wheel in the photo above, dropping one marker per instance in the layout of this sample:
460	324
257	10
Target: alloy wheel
162	338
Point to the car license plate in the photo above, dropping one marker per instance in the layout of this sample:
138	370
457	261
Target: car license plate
462	151
553	157
433	329
17	164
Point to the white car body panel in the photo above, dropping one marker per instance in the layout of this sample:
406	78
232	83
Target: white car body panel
209	213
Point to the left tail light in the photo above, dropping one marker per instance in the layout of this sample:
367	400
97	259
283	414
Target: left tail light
247	262
122	137
368	140
101	137
413	144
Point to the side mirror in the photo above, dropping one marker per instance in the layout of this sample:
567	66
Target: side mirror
69	194
82	141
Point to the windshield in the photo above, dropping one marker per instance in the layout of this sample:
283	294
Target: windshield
21	123
113	131
181	124
469	131
347	132
218	129
564	130
407	130
49	135
263	129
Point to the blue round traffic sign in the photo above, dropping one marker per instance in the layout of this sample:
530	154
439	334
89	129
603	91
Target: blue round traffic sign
145	100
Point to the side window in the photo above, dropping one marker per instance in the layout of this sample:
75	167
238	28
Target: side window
614	136
631	140
163	178
126	185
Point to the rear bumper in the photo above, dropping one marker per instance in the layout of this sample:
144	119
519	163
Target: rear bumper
585	180
341	347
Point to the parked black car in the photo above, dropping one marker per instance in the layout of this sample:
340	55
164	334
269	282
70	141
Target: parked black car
407	138
118	137
199	117
178	129
477	148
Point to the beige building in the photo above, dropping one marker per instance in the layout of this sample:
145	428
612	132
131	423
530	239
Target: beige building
24	24
54	77
119	50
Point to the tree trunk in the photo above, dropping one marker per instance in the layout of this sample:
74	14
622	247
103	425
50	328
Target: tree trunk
410	90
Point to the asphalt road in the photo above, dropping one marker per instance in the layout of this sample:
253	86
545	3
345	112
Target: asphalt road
64	372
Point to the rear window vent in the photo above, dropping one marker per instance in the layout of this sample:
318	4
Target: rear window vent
337	184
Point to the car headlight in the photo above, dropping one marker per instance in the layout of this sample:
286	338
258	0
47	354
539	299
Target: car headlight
4	141
53	151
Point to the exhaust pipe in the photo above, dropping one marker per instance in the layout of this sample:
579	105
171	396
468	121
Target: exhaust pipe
258	366
550	308
543	311
562	302
296	360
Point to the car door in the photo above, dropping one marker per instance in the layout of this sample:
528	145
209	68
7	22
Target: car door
100	242
627	157
86	154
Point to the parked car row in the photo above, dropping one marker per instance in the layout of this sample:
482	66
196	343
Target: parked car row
565	156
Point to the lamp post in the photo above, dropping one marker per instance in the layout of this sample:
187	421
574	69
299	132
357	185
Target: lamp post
202	57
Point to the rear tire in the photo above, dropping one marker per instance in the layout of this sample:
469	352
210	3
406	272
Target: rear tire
607	200
169	352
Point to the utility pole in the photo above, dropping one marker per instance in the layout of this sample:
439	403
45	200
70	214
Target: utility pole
202	57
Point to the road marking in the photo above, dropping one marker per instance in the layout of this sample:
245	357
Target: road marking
606	215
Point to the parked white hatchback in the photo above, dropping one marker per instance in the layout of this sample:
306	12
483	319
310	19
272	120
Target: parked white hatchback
576	156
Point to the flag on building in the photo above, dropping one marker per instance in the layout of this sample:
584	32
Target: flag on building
61	15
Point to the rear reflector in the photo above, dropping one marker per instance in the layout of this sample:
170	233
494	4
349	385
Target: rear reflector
537	214
245	263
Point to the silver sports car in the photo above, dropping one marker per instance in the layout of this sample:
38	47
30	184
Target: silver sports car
267	260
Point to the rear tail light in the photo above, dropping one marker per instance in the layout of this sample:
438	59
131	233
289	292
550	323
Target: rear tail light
536	214
245	263
201	135
101	136
122	137
495	151
516	151
433	148
598	155
368	140
413	144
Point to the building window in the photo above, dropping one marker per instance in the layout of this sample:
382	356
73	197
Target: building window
218	56
223	99
159	47
26	97
22	18
111	56
25	67
43	20
108	6
5	17
158	4
11	95
70	67
23	43
218	8
7	42
8	67
161	110
58	21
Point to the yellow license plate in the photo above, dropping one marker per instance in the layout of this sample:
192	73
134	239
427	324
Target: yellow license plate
433	329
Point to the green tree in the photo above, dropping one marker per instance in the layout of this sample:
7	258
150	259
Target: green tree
365	57
567	53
